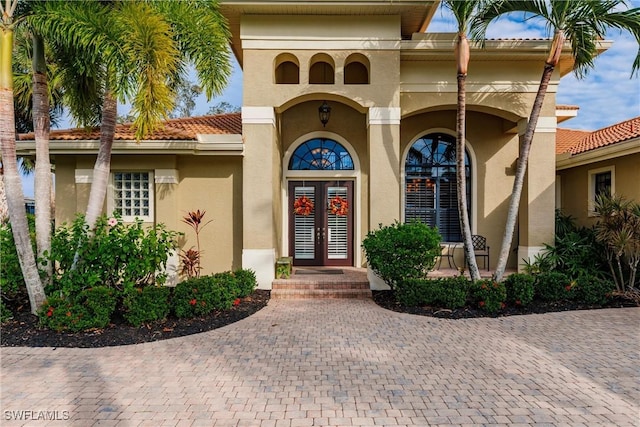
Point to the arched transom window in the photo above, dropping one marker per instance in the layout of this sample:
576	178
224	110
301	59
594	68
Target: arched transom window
321	154
430	184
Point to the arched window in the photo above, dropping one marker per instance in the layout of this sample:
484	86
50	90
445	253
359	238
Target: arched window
431	194
321	154
321	69
287	69
356	70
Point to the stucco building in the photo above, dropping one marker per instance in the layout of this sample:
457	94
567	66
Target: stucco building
352	105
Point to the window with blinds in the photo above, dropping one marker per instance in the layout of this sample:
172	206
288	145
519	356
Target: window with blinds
304	245
337	227
431	194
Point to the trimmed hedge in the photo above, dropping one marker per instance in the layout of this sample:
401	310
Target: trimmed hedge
146	304
447	293
520	289
91	308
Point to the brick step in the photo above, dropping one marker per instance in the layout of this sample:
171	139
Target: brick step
308	293
306	285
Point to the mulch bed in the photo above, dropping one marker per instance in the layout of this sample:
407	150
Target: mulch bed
23	330
387	300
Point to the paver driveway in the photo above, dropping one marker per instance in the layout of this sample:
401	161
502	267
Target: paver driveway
343	362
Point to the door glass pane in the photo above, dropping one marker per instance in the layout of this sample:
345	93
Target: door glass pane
304	226
337	226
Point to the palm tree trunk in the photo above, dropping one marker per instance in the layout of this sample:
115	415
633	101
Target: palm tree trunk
525	149
4	214
102	166
41	126
462	59
12	180
461	179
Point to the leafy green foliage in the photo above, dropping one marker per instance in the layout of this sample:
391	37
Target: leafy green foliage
594	290
553	286
116	255
5	312
489	295
520	289
12	283
449	293
201	295
91	308
402	251
247	282
146	304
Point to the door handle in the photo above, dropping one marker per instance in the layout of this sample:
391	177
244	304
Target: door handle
318	234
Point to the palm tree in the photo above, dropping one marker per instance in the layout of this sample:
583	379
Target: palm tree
463	11
142	49
12	179
580	23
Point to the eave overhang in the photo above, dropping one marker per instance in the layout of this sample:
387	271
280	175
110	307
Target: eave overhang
207	145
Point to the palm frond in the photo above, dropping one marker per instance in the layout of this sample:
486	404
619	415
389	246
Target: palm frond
493	10
203	39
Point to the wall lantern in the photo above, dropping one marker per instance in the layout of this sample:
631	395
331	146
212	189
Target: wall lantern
324	111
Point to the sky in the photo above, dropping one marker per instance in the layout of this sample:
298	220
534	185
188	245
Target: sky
606	96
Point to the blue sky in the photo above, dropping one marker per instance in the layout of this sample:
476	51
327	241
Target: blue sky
606	96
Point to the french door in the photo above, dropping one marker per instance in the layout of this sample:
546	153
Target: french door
321	223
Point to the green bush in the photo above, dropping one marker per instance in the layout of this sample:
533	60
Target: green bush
402	251
490	296
12	284
246	281
520	289
115	255
553	286
5	313
450	293
146	304
91	308
594	290
201	295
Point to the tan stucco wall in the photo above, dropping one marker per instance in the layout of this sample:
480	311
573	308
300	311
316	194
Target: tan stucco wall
574	185
213	184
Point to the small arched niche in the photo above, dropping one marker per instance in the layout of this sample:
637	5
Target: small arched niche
321	70
287	69
356	70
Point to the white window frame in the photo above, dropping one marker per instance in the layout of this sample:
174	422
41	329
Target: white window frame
591	185
152	190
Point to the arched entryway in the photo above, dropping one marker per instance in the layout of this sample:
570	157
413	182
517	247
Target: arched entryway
321	203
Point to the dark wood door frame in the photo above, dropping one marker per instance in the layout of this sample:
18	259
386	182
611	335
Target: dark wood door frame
321	226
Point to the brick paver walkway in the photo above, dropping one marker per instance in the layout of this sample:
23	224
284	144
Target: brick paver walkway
343	363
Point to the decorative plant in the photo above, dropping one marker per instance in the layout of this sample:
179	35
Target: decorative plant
619	230
402	251
191	259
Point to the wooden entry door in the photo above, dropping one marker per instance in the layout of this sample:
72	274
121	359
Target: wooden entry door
321	237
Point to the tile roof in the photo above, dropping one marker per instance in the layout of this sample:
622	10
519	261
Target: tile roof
619	132
182	129
567	138
567	107
579	141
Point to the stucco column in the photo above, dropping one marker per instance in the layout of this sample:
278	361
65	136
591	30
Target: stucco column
537	205
167	210
384	166
260	184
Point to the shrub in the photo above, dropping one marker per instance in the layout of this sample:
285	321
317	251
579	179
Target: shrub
201	295
91	308
594	290
146	304
450	293
402	251
12	284
520	289
553	286
246	281
115	255
5	313
490	296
